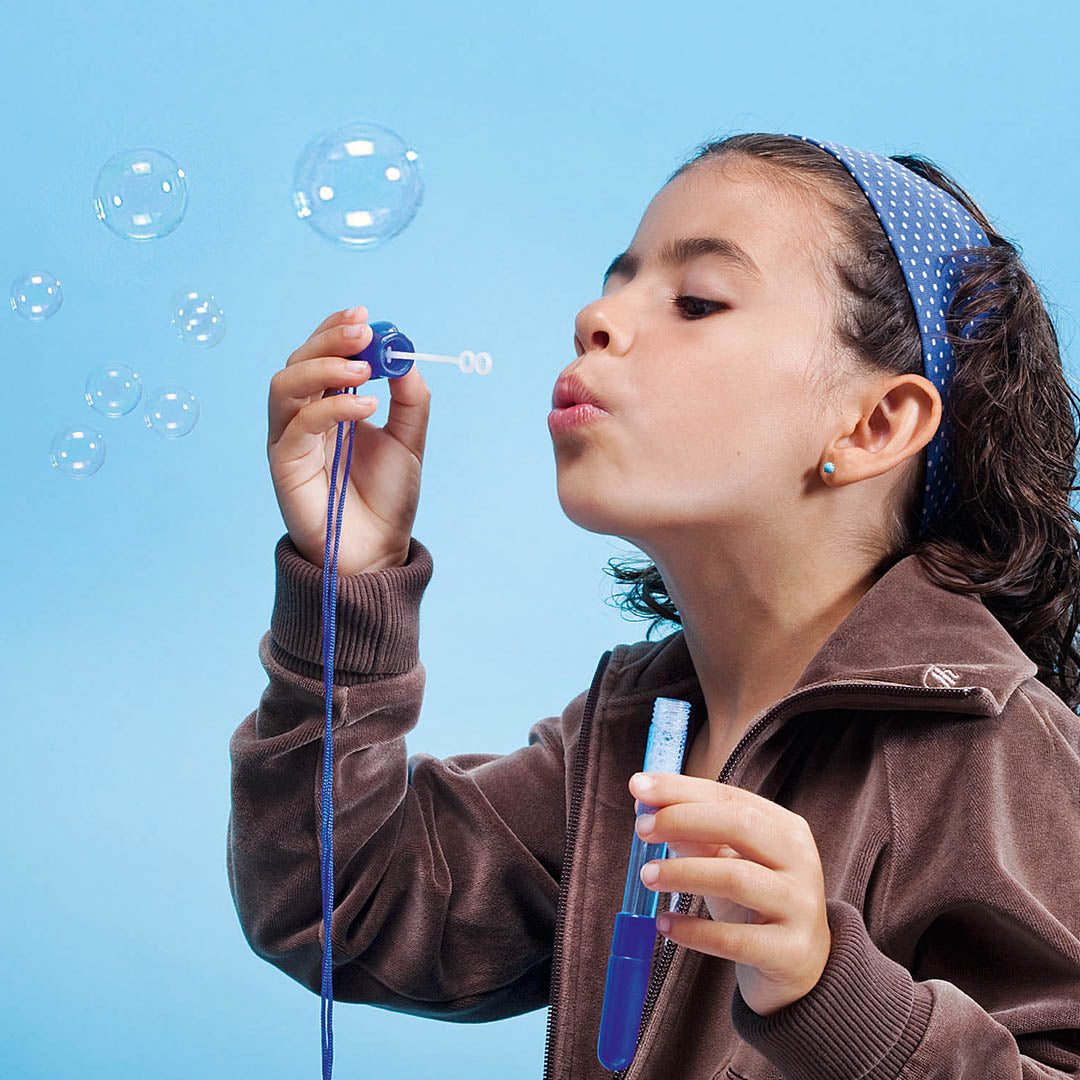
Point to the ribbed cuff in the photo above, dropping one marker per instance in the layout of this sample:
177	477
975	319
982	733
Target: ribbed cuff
863	1013
377	630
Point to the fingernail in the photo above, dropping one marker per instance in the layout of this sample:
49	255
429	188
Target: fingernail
649	873
643	782
356	365
352	312
645	823
355	329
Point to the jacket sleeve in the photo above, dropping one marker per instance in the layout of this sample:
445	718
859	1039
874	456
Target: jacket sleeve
982	903
446	872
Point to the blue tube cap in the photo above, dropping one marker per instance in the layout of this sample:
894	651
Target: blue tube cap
385	336
625	989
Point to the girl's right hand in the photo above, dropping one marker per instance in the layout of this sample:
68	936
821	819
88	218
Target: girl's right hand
384	474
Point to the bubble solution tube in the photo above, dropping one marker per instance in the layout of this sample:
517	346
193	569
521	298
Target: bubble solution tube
634	938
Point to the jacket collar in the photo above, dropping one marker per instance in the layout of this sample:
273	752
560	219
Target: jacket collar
905	631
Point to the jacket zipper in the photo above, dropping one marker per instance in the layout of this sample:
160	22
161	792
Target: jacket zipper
667	955
580	762
668	952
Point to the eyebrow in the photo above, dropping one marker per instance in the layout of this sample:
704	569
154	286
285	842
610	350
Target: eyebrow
683	249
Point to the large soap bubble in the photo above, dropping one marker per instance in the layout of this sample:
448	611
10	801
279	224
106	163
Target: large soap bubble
171	411
358	186
77	450
113	389
36	295
197	317
140	194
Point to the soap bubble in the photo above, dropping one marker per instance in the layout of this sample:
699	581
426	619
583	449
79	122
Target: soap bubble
172	412
358	186
113	389
36	295
78	450
198	318
140	194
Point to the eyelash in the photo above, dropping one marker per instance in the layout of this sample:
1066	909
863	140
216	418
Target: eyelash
678	302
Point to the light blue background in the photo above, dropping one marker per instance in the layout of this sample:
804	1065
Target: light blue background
135	599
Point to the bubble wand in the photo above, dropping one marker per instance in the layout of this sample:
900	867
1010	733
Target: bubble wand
391	355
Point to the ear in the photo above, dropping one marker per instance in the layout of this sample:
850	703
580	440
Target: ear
899	417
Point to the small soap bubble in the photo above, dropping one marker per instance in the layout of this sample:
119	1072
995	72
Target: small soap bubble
113	389
359	185
140	194
198	318
78	450
36	295
171	411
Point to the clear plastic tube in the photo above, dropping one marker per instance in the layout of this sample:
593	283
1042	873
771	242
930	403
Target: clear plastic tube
634	936
663	753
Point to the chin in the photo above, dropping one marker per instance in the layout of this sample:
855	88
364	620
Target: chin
592	510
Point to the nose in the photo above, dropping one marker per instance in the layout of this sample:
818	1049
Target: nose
591	328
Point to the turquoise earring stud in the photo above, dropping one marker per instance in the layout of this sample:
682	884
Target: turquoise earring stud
829	467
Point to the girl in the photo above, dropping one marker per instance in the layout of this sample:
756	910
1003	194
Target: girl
871	560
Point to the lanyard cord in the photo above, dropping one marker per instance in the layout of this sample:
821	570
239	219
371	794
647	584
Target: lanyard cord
329	621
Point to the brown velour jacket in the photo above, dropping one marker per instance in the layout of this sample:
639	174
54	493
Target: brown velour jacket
940	779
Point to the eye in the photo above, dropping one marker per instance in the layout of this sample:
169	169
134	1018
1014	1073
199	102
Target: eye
687	304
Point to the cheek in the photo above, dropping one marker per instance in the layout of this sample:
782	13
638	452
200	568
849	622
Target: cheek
728	432
710	416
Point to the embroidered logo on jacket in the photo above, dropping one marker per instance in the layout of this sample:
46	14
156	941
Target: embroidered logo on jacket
940	676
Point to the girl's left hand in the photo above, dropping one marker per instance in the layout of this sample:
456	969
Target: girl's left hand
755	862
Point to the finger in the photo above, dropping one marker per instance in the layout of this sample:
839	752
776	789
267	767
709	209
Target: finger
752	834
704	851
688	848
356	314
353	314
753	944
342	337
675	787
410	406
739	880
293	387
316	420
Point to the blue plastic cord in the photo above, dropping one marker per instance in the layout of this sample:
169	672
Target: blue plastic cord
329	622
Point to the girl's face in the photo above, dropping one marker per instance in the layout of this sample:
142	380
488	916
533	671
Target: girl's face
713	414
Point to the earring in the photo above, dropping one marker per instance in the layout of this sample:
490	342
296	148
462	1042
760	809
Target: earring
829	467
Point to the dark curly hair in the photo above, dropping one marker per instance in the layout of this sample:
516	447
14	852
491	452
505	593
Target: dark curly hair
1010	535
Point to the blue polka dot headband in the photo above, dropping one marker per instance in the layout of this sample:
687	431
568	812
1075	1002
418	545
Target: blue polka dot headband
925	226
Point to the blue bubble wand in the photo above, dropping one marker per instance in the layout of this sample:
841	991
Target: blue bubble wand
390	353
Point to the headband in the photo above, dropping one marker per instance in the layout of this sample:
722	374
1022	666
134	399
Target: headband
925	226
